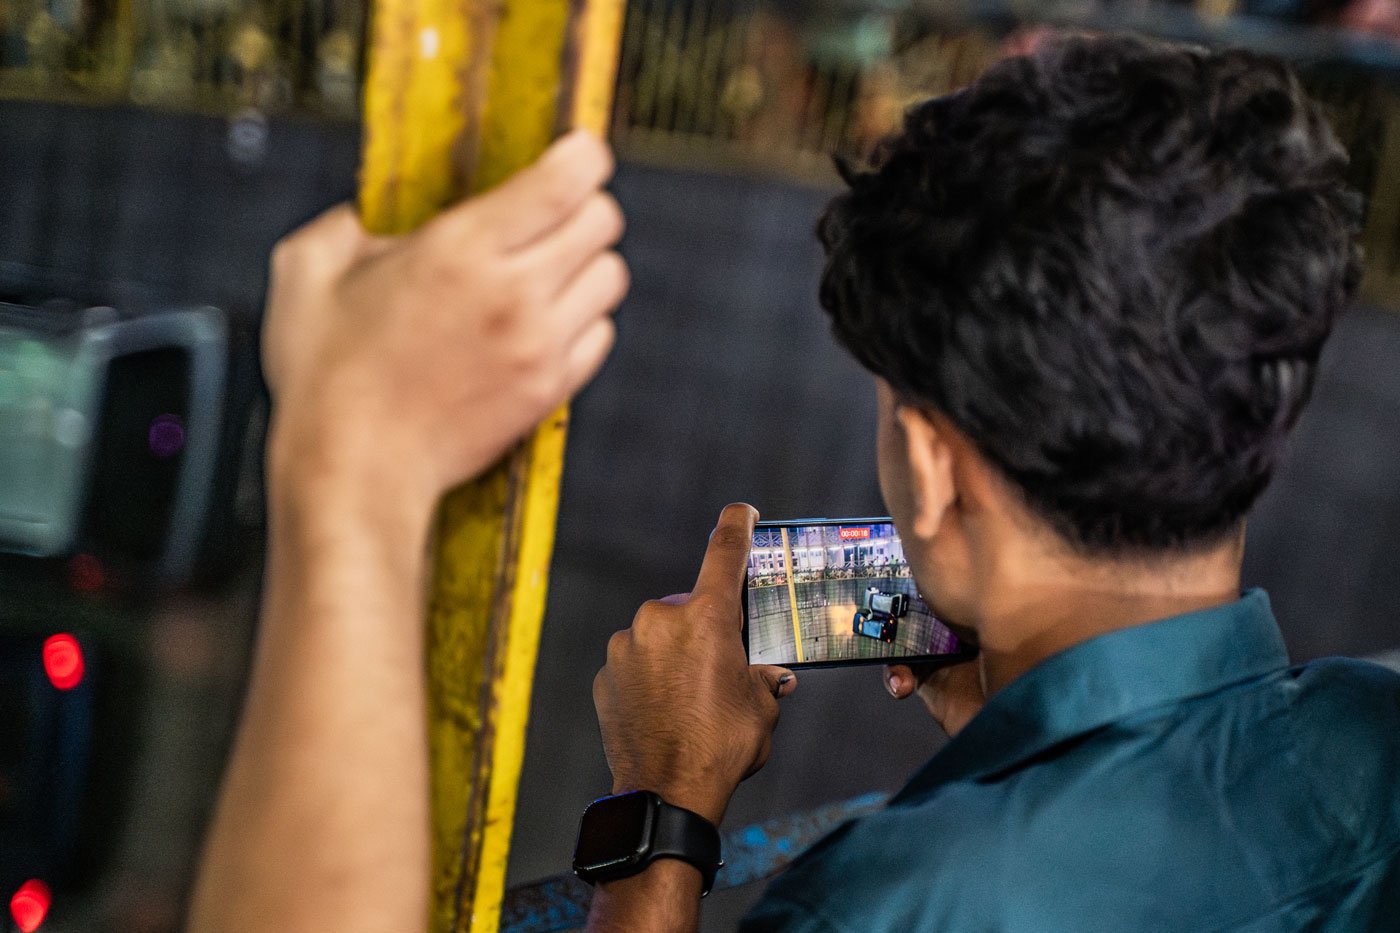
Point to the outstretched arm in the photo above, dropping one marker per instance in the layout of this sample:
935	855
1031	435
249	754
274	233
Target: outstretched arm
399	367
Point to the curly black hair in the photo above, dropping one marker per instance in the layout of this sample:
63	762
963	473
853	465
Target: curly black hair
1112	265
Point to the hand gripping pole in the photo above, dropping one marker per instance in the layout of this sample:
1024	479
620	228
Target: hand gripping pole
459	95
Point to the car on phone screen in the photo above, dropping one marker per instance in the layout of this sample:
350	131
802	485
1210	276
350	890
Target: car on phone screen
879	614
879	603
870	626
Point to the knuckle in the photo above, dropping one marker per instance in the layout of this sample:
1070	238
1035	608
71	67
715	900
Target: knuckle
334	233
648	609
617	275
611	220
617	644
342	224
606	340
558	189
524	292
644	625
284	253
554	391
536	293
460	226
649	619
459	270
530	346
544	385
595	157
436	270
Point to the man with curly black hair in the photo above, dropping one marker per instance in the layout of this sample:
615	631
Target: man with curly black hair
1093	289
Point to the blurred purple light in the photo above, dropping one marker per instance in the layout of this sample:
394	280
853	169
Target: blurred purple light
167	436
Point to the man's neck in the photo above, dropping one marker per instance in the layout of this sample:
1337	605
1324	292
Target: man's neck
1048	606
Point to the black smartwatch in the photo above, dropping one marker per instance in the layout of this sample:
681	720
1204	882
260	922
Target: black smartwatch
621	835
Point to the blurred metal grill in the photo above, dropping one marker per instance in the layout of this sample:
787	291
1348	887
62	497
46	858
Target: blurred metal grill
773	87
203	55
719	82
777	84
786	83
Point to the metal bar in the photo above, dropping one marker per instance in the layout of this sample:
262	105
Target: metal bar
792	594
459	95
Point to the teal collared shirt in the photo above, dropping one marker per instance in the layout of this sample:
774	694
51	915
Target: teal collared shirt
1177	775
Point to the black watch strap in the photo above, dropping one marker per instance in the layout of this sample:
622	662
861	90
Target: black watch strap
621	835
688	836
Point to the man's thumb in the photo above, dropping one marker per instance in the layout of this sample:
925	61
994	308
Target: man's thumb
780	681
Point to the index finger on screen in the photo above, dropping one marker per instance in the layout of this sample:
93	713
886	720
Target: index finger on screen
727	557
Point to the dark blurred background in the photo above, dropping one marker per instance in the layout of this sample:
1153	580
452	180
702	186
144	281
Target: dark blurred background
725	385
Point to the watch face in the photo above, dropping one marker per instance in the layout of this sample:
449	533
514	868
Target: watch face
615	830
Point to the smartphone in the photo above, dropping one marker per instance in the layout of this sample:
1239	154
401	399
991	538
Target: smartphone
834	592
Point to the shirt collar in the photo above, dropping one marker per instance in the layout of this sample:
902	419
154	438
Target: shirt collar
1108	678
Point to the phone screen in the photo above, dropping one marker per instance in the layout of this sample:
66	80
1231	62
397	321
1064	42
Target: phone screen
824	593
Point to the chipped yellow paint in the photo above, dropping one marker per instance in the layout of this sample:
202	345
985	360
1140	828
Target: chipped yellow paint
460	94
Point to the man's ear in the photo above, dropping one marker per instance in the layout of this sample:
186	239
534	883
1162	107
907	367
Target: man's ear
930	463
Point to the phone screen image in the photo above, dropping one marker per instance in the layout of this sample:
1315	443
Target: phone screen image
828	593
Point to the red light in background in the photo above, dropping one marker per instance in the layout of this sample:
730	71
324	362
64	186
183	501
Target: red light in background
63	661
86	573
30	905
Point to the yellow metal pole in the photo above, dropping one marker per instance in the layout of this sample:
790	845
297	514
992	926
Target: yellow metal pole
460	94
792	595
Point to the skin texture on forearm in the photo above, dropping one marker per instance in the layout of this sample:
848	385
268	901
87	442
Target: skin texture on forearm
665	897
323	820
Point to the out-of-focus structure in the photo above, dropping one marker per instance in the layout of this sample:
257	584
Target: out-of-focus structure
775	86
265	89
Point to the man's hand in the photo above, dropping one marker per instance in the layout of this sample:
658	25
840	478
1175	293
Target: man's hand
399	367
952	693
685	715
415	362
682	711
